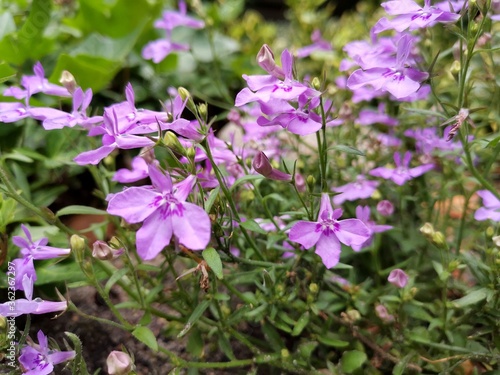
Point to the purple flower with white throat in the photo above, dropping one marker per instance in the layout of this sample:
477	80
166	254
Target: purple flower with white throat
410	15
400	80
39	359
328	232
402	173
164	212
491	209
319	44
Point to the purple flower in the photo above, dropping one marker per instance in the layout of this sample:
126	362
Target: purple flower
399	79
491	209
398	278
265	59
29	305
35	84
370	117
361	189
33	250
363	214
264	88
40	359
165	212
328	232
158	49
113	138
409	15
402	173
319	44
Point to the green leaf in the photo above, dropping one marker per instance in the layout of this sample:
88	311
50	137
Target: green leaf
212	258
211	199
252	226
114	278
225	346
244	179
79	366
80	210
347	149
472	298
195	315
301	324
332	340
146	336
352	360
195	343
6	72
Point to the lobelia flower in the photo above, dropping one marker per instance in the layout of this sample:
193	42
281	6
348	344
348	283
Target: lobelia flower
40	359
32	250
263	88
35	84
29	305
113	138
328	232
361	189
101	250
398	278
319	44
159	49
402	173
399	79
164	212
370	117
491	209
409	15
363	214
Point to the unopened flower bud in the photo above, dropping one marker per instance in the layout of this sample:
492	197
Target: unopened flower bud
203	111
262	165
314	288
427	230
101	250
455	68
77	245
265	59
310	182
186	95
285	353
316	83
300	182
496	241
119	363
439	240
383	314
490	231
68	81
172	142
398	277
385	208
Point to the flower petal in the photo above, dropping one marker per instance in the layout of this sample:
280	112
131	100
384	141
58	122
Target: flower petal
192	228
134	204
328	248
154	235
305	233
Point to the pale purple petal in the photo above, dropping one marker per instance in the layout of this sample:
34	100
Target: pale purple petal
328	248
134	204
154	235
305	233
192	228
352	232
94	156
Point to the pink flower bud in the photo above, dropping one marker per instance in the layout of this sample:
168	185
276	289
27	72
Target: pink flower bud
101	250
385	208
265	59
262	165
398	277
383	314
119	363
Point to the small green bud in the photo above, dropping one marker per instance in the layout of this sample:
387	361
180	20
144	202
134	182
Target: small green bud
203	111
77	244
285	353
310	180
376	195
455	68
190	153
184	94
171	141
353	315
490	231
316	84
314	288
439	240
247	195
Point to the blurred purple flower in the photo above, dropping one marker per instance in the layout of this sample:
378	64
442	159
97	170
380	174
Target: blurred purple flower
385	208
402	173
328	232
319	44
361	189
363	214
491	209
